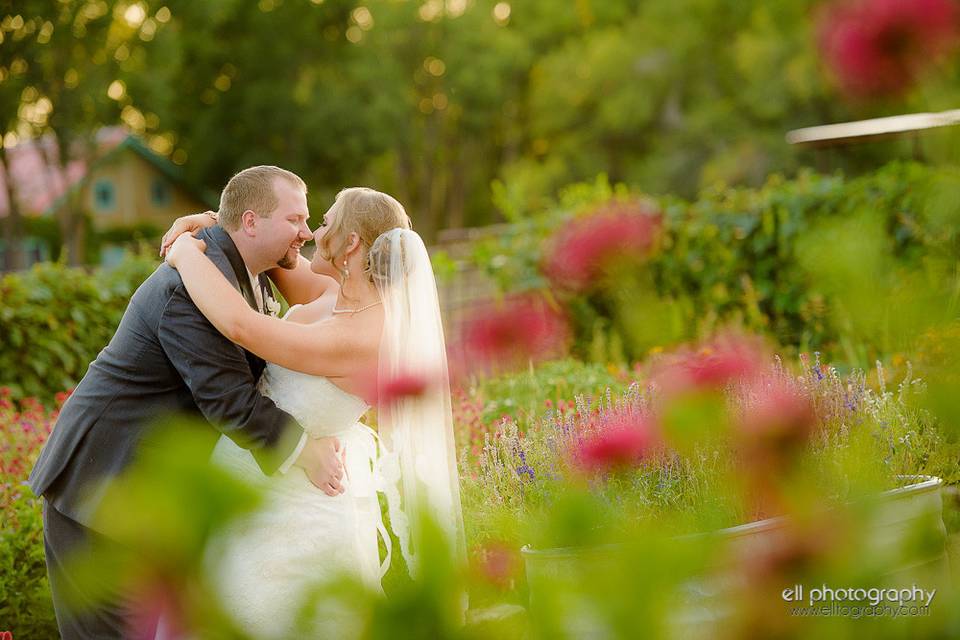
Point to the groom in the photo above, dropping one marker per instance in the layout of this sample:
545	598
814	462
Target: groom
164	358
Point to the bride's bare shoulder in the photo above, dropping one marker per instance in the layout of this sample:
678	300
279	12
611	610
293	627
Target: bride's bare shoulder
318	310
329	284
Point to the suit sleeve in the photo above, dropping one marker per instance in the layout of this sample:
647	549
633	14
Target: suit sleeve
223	387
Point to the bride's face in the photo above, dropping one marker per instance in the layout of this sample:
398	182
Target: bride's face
318	264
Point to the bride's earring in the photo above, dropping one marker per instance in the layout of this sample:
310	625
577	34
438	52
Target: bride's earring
346	271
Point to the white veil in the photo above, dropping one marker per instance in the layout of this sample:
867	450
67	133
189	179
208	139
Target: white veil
416	430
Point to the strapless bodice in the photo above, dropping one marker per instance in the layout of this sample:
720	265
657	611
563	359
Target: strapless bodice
321	407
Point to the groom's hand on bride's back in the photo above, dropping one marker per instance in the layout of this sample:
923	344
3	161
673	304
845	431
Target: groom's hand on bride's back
322	461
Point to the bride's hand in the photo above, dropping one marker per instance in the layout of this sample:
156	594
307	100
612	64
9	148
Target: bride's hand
186	224
183	246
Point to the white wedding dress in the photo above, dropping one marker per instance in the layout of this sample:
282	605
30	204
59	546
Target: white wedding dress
264	565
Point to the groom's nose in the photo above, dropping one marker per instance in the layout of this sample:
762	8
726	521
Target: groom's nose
304	234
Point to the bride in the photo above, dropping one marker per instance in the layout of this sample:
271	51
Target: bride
366	318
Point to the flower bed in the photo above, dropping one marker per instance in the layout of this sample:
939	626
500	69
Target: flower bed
641	450
25	604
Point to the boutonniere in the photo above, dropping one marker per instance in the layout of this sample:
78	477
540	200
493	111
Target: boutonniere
272	306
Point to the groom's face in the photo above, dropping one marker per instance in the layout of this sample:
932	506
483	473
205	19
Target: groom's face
282	234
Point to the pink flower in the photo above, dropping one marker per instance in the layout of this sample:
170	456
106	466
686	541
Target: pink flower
154	605
776	419
403	385
497	563
878	48
727	359
619	442
62	397
589	247
521	329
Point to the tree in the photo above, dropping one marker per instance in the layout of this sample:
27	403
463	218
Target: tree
71	59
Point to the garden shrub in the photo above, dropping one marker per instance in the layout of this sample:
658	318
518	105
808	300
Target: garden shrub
732	256
55	319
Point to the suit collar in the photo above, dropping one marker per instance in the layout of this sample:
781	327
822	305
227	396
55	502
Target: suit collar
223	240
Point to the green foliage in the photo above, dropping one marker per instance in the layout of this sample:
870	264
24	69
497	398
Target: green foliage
55	319
25	605
530	393
524	396
771	260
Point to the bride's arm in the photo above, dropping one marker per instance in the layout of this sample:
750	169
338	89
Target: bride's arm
331	352
300	285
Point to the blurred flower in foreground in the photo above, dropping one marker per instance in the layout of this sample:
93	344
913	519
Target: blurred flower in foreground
402	386
619	442
777	418
727	359
158	516
588	248
879	48
497	563
773	427
155	605
512	333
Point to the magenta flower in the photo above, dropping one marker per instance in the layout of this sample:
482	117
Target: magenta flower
588	248
497	563
155	612
878	48
619	442
776	419
727	359
401	386
518	330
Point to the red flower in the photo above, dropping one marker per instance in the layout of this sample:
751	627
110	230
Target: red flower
155	612
521	329
62	396
498	564
403	385
589	247
776	419
878	48
729	358
620	441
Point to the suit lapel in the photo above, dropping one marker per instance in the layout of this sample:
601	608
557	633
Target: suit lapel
222	240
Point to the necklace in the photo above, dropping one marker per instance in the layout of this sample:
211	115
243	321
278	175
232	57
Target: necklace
372	304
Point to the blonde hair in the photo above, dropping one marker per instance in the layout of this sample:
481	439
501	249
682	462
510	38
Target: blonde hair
253	189
363	211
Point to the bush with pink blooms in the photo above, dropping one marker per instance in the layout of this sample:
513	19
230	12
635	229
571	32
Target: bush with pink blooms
25	604
765	259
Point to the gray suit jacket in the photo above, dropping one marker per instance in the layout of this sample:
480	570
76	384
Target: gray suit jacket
164	358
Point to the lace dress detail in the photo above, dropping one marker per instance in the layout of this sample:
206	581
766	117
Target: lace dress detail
265	565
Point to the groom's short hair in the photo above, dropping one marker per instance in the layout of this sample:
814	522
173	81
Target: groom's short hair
252	189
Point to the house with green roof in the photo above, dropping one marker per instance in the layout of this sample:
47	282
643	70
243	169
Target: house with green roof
127	192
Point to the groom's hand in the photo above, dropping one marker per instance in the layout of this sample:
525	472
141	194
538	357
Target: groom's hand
322	461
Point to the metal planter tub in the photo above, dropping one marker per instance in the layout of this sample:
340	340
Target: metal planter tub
894	521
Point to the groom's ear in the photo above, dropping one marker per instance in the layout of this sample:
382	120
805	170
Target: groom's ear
248	222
